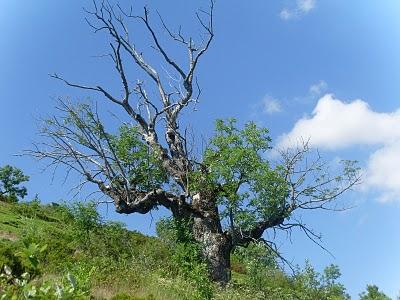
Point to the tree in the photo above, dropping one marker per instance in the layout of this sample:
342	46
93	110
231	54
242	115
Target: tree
10	179
373	293
231	194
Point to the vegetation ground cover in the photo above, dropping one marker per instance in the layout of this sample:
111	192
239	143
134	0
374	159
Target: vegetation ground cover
69	252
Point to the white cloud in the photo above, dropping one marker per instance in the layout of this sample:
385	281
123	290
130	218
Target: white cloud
336	124
286	14
301	8
383	172
318	88
271	105
306	5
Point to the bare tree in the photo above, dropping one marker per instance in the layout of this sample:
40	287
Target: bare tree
149	164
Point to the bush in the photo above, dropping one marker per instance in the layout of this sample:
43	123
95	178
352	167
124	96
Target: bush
186	259
9	259
86	218
25	288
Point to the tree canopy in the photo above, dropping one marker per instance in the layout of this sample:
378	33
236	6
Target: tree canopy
10	180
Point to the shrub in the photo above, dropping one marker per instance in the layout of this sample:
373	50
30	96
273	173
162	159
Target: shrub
9	259
24	288
186	259
86	220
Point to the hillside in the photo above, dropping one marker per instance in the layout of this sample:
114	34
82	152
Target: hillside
67	252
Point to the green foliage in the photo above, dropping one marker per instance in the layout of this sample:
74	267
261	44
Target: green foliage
24	287
131	157
250	188
17	278
173	231
10	180
144	170
109	251
86	219
373	293
166	230
271	283
256	253
9	259
31	253
264	279
186	259
34	210
258	262
312	285
22	259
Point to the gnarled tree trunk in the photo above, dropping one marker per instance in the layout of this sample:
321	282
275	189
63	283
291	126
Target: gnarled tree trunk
216	245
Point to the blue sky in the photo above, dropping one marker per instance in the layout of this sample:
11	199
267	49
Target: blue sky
329	70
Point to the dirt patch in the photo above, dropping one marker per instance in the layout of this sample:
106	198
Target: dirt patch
8	236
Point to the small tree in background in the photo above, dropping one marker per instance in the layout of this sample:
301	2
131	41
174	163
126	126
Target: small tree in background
10	180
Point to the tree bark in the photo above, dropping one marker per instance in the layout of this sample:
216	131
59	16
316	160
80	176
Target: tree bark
216	246
216	249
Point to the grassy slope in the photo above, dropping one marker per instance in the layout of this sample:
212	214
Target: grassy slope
108	260
49	225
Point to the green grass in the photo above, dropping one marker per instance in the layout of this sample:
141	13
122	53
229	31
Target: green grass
106	259
70	247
